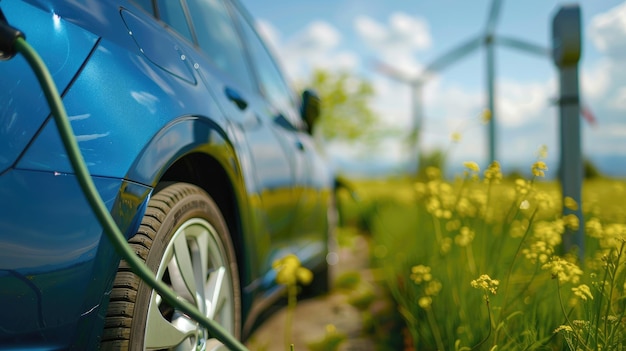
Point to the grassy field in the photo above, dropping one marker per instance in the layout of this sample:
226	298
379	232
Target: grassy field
479	263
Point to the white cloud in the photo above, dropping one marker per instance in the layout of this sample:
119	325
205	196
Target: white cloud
318	45
603	80
618	101
522	103
403	33
608	30
454	107
596	80
318	36
396	42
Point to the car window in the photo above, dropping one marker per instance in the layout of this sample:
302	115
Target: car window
172	13
219	39
271	80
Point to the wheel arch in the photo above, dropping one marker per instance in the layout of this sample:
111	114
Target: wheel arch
213	179
197	150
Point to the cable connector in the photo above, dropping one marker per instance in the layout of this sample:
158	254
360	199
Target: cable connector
8	36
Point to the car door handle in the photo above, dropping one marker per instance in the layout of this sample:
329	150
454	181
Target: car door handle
234	96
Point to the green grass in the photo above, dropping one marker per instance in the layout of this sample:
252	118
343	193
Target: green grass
434	239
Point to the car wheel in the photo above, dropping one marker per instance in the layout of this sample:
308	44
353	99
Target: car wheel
184	240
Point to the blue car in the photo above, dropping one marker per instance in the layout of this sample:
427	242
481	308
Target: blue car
199	148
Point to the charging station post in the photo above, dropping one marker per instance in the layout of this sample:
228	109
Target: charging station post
566	40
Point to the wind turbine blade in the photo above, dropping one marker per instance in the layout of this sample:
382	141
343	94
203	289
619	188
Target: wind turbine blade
392	72
453	55
524	46
494	16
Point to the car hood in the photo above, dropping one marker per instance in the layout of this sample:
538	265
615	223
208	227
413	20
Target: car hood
64	47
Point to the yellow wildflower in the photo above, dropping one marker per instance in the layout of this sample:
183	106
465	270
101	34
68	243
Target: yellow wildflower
583	292
563	328
522	186
290	272
471	170
331	329
545	201
433	205
485	283
570	203
564	270
433	288
581	324
471	166
453	225
425	302
445	188
593	228
456	137
614	235
486	116
465	237
420	273
465	208
549	231
493	173
538	251
538	169
571	221
445	214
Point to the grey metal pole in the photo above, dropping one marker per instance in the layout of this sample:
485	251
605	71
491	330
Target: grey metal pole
567	48
418	108
416	114
571	168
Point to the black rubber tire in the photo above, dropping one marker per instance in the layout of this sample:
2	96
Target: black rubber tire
167	211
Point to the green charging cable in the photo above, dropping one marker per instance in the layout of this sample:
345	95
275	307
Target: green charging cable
93	197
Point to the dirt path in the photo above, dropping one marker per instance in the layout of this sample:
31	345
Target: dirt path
346	312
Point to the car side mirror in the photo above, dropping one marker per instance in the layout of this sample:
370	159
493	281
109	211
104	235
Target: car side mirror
310	109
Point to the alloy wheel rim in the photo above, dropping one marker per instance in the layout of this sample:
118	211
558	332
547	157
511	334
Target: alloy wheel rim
195	266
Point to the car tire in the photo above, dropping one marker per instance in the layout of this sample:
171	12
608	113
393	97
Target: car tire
184	240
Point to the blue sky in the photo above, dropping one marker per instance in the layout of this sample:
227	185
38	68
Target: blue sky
352	34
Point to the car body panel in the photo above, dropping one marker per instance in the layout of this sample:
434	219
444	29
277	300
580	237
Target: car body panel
49	274
63	47
133	111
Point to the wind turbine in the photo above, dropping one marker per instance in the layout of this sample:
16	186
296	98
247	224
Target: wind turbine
488	39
